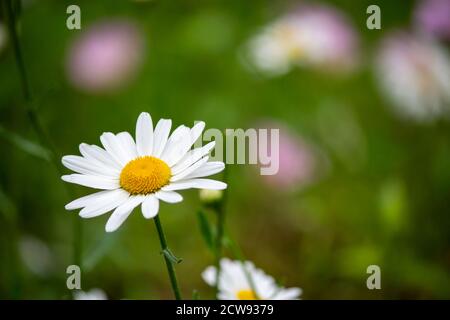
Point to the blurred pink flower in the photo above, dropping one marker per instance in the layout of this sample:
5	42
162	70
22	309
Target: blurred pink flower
433	17
414	73
106	56
312	35
299	161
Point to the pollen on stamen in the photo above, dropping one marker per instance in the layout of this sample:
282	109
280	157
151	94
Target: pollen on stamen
145	175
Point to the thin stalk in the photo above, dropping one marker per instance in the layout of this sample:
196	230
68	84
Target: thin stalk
220	210
169	263
237	253
218	250
78	244
25	85
33	115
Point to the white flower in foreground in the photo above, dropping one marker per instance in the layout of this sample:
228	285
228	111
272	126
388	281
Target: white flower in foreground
93	294
234	283
141	173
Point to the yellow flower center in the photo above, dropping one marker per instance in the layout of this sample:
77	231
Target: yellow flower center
145	175
246	295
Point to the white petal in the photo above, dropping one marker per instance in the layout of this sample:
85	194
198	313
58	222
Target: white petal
108	203
95	153
160	137
92	181
209	275
150	207
169	196
195	183
189	170
128	144
288	294
85	166
207	169
89	199
116	220
113	145
196	131
226	295
93	294
144	134
180	142
191	157
177	145
122	212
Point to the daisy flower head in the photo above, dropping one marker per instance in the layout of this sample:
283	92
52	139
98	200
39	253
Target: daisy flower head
144	172
243	281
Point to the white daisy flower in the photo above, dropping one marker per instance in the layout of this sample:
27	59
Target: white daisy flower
143	173
93	294
234	283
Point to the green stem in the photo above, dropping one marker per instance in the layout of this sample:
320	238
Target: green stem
218	249
77	244
237	253
220	209
11	21
169	263
33	116
30	110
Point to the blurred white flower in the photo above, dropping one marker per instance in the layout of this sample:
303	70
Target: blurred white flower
143	172
105	56
414	73
234	283
93	294
433	17
312	35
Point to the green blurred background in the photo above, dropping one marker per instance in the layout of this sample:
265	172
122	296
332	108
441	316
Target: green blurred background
383	198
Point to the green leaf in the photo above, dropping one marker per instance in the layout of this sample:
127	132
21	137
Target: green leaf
169	255
24	144
205	229
195	295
